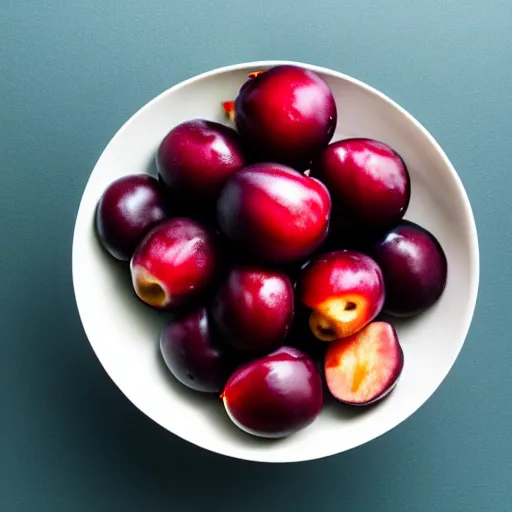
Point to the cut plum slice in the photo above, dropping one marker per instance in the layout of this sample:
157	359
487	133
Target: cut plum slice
365	367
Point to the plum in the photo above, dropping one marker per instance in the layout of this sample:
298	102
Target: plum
195	159
414	267
345	291
274	212
365	367
276	395
253	309
194	354
285	115
175	264
128	208
369	185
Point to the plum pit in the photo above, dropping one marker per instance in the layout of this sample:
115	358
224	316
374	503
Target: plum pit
149	289
336	318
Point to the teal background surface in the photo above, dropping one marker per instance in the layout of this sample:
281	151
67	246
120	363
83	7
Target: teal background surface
71	73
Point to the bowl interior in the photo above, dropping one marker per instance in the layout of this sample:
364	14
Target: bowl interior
124	332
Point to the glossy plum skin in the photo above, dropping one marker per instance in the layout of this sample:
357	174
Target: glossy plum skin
364	368
286	115
193	353
128	208
414	266
345	291
274	212
276	395
195	159
253	309
175	263
369	184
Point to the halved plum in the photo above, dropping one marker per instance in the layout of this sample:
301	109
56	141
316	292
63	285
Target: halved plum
365	367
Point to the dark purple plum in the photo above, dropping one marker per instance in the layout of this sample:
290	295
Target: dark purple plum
195	159
193	353
176	264
274	213
128	208
285	115
369	185
414	267
276	395
253	309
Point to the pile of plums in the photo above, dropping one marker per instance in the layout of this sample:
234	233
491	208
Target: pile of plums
277	250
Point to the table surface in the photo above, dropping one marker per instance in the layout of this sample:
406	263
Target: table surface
70	74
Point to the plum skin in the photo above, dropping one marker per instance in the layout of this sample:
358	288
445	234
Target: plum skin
176	264
274	212
193	353
128	208
253	309
195	159
285	115
369	183
274	396
414	266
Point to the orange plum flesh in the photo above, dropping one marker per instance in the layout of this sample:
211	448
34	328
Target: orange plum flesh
364	367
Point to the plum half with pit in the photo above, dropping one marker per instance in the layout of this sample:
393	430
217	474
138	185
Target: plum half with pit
369	185
344	291
276	395
195	159
286	114
175	264
365	367
128	208
194	354
414	266
274	213
253	309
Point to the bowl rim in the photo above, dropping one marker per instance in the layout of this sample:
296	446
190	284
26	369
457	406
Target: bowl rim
474	257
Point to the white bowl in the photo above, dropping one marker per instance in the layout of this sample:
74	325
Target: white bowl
124	332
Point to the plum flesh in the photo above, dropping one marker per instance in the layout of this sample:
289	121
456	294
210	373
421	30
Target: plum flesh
364	368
